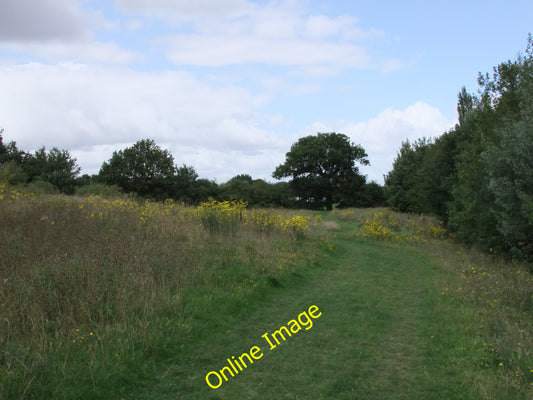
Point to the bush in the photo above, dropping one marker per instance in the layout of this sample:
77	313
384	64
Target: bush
40	188
99	189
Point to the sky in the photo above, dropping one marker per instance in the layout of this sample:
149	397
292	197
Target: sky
227	86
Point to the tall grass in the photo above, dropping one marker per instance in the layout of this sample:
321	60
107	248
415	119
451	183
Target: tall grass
385	224
90	283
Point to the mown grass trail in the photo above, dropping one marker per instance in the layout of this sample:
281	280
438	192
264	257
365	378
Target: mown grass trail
385	333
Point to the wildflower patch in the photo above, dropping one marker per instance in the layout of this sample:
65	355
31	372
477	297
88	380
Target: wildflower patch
215	379
389	226
227	217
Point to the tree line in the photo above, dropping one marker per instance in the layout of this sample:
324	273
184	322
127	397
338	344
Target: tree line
479	175
323	168
53	169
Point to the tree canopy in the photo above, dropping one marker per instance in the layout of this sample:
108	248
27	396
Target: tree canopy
143	168
323	169
56	167
477	176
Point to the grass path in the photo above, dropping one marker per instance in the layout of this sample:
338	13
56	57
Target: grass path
383	334
406	317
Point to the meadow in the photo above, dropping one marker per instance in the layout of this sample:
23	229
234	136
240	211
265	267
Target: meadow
89	285
118	298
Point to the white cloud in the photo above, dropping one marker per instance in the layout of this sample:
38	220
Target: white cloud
382	136
40	21
275	34
83	102
134	24
322	26
220	131
219	51
344	26
93	111
236	32
86	52
184	9
58	31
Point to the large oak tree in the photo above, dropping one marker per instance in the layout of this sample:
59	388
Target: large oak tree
324	169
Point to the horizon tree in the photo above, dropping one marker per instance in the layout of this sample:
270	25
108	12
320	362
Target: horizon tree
144	168
57	167
323	169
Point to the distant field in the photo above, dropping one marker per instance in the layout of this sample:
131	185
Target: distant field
110	298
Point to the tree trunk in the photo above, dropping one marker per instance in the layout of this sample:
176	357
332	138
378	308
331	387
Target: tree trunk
329	202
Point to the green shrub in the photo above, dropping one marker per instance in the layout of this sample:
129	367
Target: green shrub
99	189
40	188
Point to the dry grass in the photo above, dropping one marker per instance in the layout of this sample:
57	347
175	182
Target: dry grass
331	225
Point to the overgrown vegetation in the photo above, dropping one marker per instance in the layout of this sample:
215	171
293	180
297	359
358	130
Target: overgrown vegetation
496	293
146	170
104	296
385	224
92	285
478	176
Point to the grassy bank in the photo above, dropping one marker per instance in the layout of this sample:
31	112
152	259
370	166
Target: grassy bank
97	292
113	299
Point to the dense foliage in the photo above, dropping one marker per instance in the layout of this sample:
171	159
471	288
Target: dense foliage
56	167
146	170
323	170
478	176
143	168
